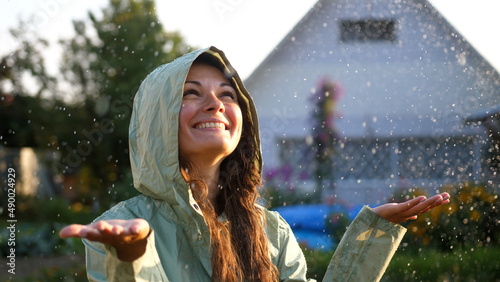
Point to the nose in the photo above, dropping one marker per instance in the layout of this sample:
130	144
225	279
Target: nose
213	104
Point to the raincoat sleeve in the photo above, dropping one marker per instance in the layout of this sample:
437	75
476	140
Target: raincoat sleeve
366	249
291	261
104	265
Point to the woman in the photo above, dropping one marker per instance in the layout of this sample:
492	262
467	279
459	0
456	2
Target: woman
195	156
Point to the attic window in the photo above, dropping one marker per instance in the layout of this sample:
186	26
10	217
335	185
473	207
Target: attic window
368	30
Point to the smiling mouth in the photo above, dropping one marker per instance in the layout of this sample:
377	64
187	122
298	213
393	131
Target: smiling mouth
203	125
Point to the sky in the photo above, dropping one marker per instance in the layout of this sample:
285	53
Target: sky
235	26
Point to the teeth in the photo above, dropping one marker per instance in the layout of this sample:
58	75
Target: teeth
211	125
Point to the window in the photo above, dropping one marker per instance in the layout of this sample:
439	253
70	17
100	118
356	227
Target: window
368	30
366	158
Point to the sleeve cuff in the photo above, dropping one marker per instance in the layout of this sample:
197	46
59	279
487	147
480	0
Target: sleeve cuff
381	223
144	268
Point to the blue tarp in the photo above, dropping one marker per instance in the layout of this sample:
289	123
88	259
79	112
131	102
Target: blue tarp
308	222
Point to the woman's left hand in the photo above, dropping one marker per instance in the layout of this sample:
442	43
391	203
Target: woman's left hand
399	212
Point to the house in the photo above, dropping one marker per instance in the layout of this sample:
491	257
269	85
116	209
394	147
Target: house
410	81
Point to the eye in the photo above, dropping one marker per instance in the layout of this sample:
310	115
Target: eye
229	94
190	92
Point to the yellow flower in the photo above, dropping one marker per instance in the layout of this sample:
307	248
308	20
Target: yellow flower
475	215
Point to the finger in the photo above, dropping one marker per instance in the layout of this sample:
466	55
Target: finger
118	230
419	208
444	200
92	233
72	230
104	226
414	202
428	205
411	218
407	209
138	227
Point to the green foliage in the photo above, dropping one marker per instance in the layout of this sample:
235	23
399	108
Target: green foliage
26	60
468	264
470	218
317	262
337	223
77	272
118	191
471	264
105	63
34	239
53	209
273	197
84	128
49	268
31	116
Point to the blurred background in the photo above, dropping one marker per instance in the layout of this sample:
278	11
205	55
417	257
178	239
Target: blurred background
359	102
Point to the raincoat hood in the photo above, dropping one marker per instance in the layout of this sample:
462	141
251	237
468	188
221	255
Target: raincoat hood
153	131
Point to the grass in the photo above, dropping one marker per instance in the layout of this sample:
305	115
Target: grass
467	264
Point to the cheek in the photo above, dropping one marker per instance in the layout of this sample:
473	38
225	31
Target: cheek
237	118
185	115
184	118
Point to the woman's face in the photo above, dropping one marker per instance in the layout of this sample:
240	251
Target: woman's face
210	119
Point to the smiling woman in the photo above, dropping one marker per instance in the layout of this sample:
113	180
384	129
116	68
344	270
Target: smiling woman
195	156
210	119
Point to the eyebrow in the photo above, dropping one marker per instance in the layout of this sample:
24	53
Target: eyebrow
222	84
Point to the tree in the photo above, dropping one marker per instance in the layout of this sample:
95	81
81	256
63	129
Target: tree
324	133
27	112
104	63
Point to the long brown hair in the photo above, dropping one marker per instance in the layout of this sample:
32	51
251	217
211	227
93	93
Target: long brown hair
240	245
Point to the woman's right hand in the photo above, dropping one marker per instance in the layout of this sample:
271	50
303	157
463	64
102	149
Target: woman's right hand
128	237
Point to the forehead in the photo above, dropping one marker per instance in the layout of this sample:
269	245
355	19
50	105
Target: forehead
203	71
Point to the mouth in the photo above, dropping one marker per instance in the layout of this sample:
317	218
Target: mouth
218	125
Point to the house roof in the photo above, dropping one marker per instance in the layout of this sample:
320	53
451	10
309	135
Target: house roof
425	81
483	114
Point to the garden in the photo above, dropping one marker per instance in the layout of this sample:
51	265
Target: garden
455	242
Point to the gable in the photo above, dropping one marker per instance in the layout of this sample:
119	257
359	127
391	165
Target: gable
422	81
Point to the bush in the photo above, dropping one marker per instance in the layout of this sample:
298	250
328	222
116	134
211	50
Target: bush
471	264
471	218
336	224
317	262
428	264
39	239
53	209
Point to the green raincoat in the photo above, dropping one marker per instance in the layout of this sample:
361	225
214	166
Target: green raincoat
178	247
